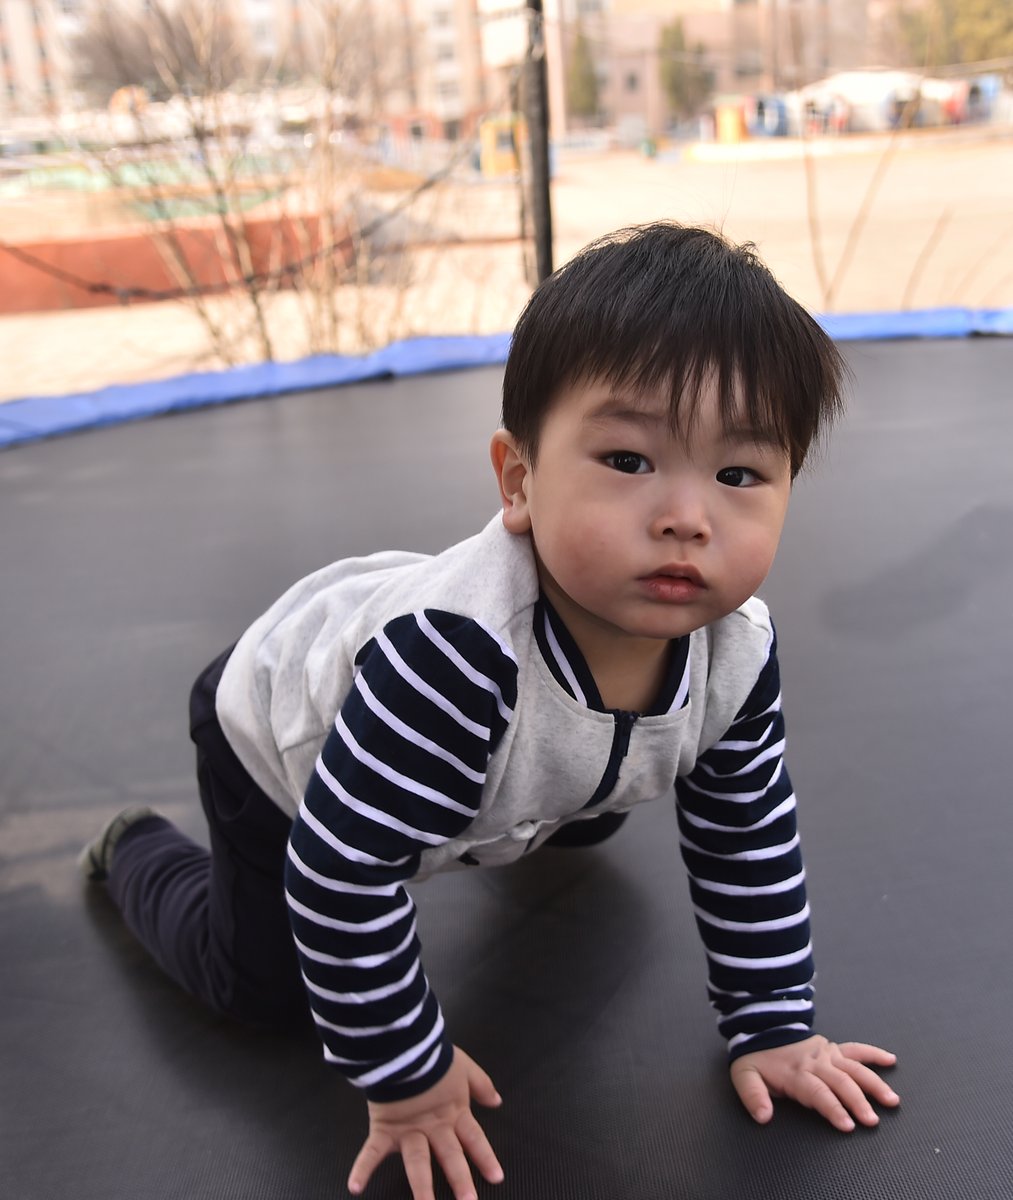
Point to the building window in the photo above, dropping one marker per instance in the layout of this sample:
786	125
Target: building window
447	90
446	52
442	17
631	82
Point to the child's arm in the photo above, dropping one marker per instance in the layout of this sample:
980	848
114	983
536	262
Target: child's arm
402	771
741	847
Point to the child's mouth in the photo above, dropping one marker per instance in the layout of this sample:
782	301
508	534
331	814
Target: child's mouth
674	584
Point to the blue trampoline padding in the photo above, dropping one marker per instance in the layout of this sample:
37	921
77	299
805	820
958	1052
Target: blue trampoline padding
923	323
46	416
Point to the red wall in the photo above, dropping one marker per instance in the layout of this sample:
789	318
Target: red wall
130	258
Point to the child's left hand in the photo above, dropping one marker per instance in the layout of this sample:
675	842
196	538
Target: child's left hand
832	1079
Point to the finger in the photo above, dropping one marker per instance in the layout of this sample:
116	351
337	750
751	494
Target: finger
871	1083
450	1156
480	1085
753	1093
374	1150
418	1166
476	1146
850	1093
817	1094
864	1053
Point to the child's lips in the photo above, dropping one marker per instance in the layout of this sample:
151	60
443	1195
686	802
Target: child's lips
677	583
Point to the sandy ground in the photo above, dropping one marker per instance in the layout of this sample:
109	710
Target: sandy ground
873	225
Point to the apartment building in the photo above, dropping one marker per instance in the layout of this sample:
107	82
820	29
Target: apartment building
450	80
748	46
35	66
417	60
433	67
417	63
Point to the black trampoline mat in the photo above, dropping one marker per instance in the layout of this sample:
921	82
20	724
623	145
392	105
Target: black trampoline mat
131	556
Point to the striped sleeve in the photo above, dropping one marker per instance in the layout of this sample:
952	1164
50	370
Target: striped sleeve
741	847
402	770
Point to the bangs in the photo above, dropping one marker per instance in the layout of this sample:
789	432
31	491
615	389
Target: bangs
766	377
670	308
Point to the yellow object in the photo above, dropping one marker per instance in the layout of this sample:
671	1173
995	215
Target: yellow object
730	123
502	140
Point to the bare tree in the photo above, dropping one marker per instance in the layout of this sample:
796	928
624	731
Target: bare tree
294	212
162	47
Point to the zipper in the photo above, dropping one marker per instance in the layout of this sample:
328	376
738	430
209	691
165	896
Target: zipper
624	722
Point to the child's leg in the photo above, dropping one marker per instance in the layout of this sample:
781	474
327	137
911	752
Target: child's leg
216	923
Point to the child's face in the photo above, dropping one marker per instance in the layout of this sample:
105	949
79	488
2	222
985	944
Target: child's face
639	533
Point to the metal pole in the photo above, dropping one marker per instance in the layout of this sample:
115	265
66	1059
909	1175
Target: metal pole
537	96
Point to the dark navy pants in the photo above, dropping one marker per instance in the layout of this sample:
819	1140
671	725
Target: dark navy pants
216	922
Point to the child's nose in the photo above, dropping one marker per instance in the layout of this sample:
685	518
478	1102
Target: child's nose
683	517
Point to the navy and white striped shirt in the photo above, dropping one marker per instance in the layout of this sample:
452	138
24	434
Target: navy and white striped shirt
403	770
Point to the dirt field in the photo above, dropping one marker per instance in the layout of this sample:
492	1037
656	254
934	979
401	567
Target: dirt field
929	221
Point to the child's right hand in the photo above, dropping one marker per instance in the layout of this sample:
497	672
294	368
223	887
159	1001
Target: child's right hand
436	1122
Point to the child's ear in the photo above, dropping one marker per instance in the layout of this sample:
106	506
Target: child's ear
512	473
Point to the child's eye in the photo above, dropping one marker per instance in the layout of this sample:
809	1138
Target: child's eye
628	461
738	477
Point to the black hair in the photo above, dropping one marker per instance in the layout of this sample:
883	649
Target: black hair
667	305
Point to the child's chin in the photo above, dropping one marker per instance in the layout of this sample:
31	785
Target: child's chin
668	628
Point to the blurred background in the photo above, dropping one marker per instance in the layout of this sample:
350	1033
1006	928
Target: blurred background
197	184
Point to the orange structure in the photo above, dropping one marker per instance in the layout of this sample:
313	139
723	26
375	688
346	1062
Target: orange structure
34	275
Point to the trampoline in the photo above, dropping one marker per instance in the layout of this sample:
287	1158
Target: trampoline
132	555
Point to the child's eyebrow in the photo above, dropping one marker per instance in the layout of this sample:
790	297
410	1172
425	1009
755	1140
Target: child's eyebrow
615	408
754	435
618	408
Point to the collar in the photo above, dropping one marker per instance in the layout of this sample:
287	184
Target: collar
571	672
